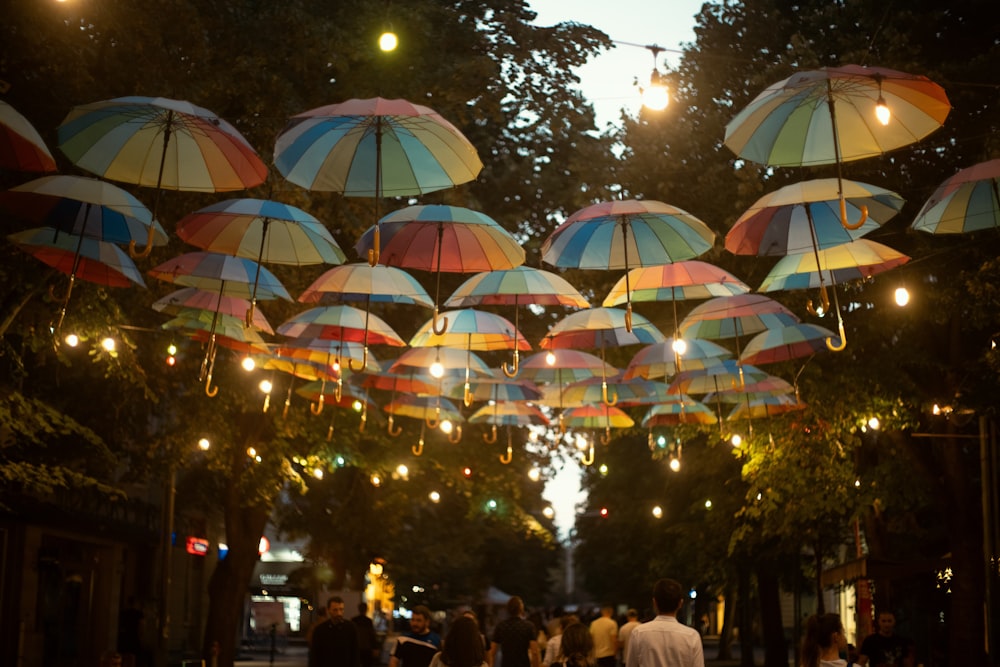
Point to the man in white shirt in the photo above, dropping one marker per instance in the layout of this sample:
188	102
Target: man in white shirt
631	623
664	641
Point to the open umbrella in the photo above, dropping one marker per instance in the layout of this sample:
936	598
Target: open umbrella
373	148
197	299
663	359
341	323
443	239
430	410
831	116
734	316
625	234
79	257
161	143
684	410
445	360
791	342
966	202
598	416
765	406
628	392
266	231
521	285
21	147
564	365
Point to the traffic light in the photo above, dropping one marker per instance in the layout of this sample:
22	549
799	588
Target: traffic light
604	512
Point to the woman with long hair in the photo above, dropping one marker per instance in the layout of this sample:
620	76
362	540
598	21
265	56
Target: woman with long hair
576	648
823	641
462	646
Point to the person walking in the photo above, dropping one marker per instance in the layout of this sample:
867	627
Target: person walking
576	648
630	624
417	646
515	638
554	643
367	642
463	645
604	632
823	642
335	640
885	648
664	641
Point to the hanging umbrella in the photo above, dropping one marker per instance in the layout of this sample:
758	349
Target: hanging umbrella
765	406
161	143
829	116
374	148
431	409
598	416
80	258
663	359
735	316
188	298
680	281
856	260
262	230
966	202
635	391
494	389
729	375
564	365
684	410
791	342
408	381
215	329
82	206
333	354
21	147
803	217
521	285
509	413
341	323
452	361
443	239
625	234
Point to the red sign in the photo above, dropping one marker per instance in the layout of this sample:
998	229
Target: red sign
197	546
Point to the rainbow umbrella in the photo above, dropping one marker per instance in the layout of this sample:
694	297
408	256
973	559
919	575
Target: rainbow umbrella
21	147
363	283
728	375
451	361
628	392
663	359
509	413
431	409
735	316
161	143
966	202
495	390
684	410
857	260
624	234
680	281
564	365
597	416
765	406
194	298
341	323
791	342
408	381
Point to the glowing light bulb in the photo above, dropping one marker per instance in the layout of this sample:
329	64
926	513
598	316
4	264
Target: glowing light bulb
902	296
318	473
108	344
708	504
72	340
248	364
873	423
548	512
171	349
388	41
251	452
655	97
357	405
402	470
550	358
437	370
882	111
266	386
534	474
434	496
675	464
204	444
446	426
679	346
737	440
658	512
376	480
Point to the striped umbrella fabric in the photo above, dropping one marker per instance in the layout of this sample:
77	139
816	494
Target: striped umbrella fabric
791	342
856	260
79	257
520	285
21	146
680	281
470	329
969	201
734	316
232	276
363	283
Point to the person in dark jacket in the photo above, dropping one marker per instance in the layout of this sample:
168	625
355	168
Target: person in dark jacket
335	640
367	642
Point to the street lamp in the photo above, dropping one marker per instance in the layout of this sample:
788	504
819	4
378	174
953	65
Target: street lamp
654	96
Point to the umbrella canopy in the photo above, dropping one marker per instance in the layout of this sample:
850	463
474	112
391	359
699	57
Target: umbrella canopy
341	397
300	368
685	410
408	381
804	217
471	329
730	374
735	316
21	147
600	328
83	206
262	230
452	361
520	285
495	390
592	416
331	352
232	276
828	116
765	406
364	283
754	387
856	260
636	391
219	325
188	298
79	257
344	323
680	281
374	147
966	202
161	143
509	413
791	342
663	360
424	407
564	365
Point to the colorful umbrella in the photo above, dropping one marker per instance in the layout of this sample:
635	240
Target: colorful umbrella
685	410
594	416
765	406
350	283
564	365
521	285
450	360
626	234
443	239
791	342
856	260
664	359
194	298
627	392
600	328
966	202
161	143
509	413
432	409
735	316
341	323
495	390
21	147
830	116
82	206
78	257
680	281
728	375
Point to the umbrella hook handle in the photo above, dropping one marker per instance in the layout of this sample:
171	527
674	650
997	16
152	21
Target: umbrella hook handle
364	362
338	392
433	423
492	437
210	391
511	371
455	436
824	300
604	395
628	317
392	429
317	407
418	448
373	253
562	424
248	320
606	438
843	340
843	215
443	323
588	459
145	251
509	456
64	297
467	396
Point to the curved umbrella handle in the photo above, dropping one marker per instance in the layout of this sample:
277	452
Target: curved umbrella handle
604	395
511	371
588	459
455	436
374	251
436	421
64	297
843	340
467	396
210	391
392	429
443	323
843	215
628	317
562	424
364	362
145	251
418	448
606	438
317	407
492	437
824	300
509	456
267	402
338	393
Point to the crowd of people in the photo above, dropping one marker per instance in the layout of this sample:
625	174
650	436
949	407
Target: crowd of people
568	641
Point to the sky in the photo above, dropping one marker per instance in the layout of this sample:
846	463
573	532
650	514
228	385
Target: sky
607	81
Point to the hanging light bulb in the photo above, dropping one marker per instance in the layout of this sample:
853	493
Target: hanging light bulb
679	346
550	358
902	296
437	370
655	96
881	108
248	363
388	41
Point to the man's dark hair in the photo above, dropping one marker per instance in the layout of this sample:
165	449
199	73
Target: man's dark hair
335	598
363	608
421	610
667	594
515	606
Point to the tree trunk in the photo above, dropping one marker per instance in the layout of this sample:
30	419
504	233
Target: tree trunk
729	616
772	628
746	619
